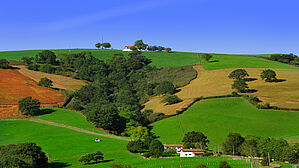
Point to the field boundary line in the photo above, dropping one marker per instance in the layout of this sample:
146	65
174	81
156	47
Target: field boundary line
181	127
70	127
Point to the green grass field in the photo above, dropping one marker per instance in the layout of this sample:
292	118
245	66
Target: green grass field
63	145
225	61
217	117
68	117
164	59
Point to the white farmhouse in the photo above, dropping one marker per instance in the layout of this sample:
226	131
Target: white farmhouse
191	152
128	48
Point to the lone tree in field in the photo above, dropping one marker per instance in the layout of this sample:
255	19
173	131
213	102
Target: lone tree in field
232	143
98	45
269	75
195	140
29	106
4	64
45	82
156	148
92	157
140	45
207	57
106	45
238	74
240	85
168	50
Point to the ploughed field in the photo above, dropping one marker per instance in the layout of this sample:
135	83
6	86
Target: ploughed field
14	86
217	117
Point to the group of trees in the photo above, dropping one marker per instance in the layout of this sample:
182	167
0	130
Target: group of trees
269	148
142	46
27	155
239	76
196	140
103	45
92	157
285	58
151	147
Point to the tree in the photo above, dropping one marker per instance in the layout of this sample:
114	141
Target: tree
291	153
27	155
168	50
238	74
171	99
98	45
240	85
207	57
269	75
33	67
160	48
27	60
136	146
4	64
140	45
137	132
45	82
133	48
232	143
29	106
156	148
47	57
193	138
249	147
165	87
106	45
94	156
224	164
47	68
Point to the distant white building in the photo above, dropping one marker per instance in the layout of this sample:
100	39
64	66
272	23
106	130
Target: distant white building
191	152
128	48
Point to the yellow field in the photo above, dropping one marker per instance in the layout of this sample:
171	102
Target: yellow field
216	82
59	81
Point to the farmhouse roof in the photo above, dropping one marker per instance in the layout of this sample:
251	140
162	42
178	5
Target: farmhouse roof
130	47
193	150
173	145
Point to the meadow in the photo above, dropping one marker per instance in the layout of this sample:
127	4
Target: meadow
217	117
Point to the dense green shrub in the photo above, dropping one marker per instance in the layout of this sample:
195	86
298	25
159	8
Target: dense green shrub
45	82
164	88
136	146
46	57
156	148
33	67
4	64
171	99
29	106
92	157
47	68
27	155
240	85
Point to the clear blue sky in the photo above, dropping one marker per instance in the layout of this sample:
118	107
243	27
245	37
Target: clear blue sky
217	26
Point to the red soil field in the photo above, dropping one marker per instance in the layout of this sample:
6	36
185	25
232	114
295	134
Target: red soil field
14	86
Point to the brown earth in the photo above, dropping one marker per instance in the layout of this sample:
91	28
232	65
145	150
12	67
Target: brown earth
14	86
216	82
59	81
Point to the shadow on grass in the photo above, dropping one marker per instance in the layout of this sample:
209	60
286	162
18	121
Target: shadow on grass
279	80
45	111
58	165
214	61
104	161
249	91
250	79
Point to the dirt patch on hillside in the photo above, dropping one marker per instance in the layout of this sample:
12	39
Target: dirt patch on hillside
216	82
59	81
14	86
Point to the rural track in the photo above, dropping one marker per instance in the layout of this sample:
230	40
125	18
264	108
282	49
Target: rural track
71	127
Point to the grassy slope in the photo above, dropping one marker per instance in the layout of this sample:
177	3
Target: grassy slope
68	117
62	144
217	117
225	61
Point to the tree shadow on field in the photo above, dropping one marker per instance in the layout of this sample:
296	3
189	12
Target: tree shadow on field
249	91
104	161
58	165
45	111
250	79
279	80
214	61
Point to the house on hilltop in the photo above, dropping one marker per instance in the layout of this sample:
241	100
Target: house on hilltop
128	48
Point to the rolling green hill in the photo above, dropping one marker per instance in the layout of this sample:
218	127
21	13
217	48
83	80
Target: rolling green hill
164	59
217	117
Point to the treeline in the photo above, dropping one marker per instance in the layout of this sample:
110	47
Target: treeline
255	146
285	58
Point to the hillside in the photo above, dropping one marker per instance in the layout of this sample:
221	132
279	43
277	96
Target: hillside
217	117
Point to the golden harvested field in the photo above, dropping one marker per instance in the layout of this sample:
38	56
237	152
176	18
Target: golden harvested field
59	81
216	82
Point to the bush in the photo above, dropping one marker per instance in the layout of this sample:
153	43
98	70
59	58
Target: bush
156	148
165	87
45	82
171	99
95	157
32	67
4	64
224	164
47	68
29	106
146	154
136	146
201	166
